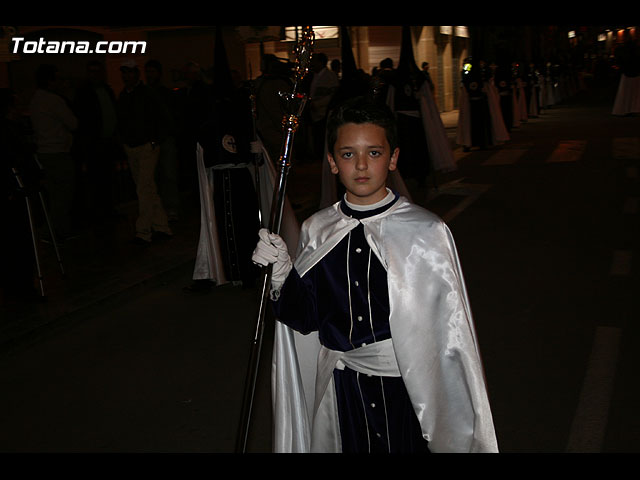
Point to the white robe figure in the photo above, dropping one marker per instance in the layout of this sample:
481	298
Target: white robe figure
627	99
209	264
516	108
440	151
499	131
432	335
533	101
522	101
542	97
549	97
463	131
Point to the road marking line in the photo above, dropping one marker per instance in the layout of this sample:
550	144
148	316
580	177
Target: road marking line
590	421
567	151
473	193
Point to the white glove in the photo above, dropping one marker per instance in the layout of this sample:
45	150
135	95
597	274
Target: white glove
271	248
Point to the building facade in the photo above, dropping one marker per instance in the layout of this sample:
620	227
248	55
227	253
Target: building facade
444	48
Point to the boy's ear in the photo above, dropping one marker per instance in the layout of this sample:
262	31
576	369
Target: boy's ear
332	164
393	163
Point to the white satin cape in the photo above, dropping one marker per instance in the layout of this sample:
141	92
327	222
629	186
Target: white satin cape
431	327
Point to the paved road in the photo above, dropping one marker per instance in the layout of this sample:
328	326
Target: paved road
547	230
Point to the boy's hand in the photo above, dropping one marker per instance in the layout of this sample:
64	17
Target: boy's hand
271	248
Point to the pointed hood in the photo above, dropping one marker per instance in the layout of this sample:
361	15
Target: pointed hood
222	79
349	68
407	67
409	78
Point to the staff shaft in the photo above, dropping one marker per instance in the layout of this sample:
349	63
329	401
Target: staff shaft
295	103
277	208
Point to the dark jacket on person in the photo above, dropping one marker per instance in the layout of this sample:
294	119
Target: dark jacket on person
139	116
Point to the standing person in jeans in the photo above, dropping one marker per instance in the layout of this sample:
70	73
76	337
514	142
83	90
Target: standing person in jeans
139	119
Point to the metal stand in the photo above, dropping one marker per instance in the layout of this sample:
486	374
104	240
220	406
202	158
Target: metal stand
33	231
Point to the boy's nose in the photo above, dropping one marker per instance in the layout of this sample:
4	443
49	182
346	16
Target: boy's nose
361	163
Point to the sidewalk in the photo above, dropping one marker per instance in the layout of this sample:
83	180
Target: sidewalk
100	263
103	262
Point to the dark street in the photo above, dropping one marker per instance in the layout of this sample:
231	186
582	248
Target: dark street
120	359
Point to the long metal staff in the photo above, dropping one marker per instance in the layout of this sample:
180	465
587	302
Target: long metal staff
257	157
294	104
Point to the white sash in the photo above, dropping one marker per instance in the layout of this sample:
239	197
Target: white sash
373	359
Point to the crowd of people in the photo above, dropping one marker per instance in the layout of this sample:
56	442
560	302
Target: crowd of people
496	98
91	152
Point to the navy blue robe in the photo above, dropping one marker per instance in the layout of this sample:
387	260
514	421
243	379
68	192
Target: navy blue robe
375	413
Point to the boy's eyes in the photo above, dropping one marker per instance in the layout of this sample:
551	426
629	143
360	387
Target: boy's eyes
372	153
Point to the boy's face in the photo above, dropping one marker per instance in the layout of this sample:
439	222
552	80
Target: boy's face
362	158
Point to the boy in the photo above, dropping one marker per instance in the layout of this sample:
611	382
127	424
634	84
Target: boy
375	348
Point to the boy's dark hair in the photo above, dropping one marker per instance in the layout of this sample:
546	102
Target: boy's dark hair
361	110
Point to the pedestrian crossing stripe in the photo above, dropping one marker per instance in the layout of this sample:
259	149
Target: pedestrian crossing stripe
568	151
465	203
468	192
589	424
623	148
